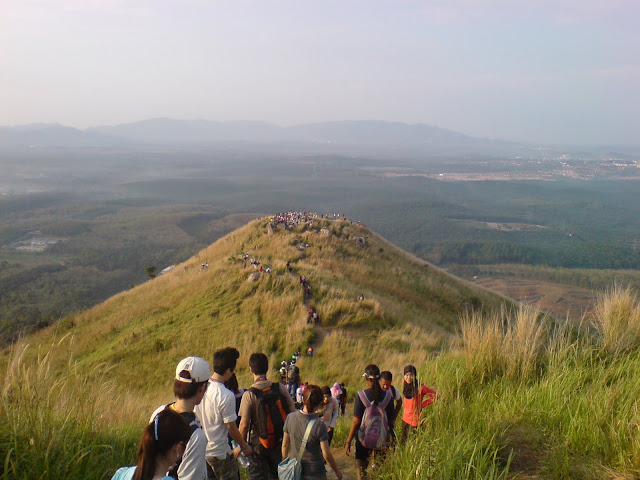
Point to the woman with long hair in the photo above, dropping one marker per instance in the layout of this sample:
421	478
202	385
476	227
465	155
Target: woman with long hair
416	397
317	449
162	445
373	395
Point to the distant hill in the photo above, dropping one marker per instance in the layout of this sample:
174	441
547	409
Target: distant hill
410	308
366	137
51	135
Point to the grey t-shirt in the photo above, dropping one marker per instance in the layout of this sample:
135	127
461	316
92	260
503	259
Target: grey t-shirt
295	425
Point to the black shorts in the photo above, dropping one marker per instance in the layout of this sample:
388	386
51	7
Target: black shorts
362	453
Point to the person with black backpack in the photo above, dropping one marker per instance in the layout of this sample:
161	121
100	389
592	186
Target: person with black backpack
263	411
372	409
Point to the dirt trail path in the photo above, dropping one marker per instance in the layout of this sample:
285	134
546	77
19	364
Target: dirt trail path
346	464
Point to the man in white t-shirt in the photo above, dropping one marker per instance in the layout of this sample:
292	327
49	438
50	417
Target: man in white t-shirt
217	412
189	386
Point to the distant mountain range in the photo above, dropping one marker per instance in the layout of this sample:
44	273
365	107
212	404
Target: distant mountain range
327	135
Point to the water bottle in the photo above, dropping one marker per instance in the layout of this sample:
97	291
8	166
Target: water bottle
242	460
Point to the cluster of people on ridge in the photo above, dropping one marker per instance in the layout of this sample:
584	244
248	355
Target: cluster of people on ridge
292	219
213	426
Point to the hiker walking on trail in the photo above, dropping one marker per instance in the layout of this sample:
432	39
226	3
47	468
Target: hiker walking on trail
331	411
343	399
189	387
263	411
293	378
218	416
386	378
162	445
372	409
303	424
283	372
416	397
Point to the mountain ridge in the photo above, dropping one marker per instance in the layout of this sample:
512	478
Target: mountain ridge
166	131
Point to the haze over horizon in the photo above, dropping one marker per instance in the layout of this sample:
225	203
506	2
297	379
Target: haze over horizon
537	71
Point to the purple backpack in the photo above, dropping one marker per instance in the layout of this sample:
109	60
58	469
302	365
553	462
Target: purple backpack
374	427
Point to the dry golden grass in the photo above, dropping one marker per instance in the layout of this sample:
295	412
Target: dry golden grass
504	344
617	319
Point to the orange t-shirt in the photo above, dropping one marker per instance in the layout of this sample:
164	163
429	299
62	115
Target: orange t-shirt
413	406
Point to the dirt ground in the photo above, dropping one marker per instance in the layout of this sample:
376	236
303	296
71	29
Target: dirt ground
561	301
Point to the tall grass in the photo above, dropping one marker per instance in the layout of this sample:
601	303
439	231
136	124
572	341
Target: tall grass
59	425
504	344
524	398
617	319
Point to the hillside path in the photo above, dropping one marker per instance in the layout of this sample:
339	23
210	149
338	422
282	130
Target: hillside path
346	464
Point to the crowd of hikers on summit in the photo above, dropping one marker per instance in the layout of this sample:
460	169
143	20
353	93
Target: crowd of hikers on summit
214	428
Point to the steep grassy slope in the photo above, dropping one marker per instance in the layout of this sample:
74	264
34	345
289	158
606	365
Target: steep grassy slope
410	309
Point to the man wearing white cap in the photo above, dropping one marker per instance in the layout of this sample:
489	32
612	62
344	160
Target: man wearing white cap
189	386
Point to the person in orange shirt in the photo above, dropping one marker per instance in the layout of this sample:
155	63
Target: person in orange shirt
416	397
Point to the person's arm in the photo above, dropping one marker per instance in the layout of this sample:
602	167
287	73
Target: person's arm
234	433
244	428
328	456
286	443
398	407
245	415
352	433
429	396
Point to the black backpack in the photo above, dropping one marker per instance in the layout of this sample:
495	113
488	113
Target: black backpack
270	415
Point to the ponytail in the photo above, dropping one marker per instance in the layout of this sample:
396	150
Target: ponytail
312	398
372	374
166	430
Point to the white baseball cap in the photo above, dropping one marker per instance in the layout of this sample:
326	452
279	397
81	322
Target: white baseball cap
197	367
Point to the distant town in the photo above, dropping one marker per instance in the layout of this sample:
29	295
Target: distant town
564	166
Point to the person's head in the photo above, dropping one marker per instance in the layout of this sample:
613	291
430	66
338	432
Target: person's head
386	378
326	394
224	362
163	441
410	375
372	375
409	381
312	398
259	363
192	378
232	384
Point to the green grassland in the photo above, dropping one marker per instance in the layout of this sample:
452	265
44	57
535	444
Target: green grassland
520	395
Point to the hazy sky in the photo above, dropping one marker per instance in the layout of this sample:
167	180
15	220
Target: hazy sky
533	70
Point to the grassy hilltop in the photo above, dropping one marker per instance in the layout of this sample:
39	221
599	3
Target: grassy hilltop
520	396
410	308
